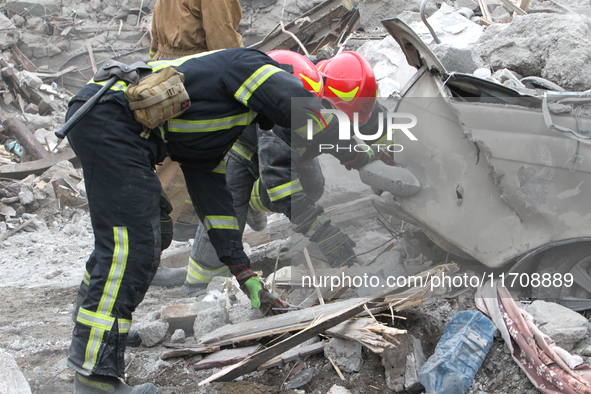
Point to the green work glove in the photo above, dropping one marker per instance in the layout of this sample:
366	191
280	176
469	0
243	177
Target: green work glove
253	285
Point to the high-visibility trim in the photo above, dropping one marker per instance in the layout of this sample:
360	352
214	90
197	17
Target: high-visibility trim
243	150
320	220
86	278
110	291
220	223
118	86
221	168
256	202
93	319
329	238
158	65
151	55
345	96
102	386
208	125
254	81
317	126
284	190
196	274
123	325
188	199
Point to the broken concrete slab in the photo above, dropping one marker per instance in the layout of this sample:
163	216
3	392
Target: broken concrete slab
403	363
12	380
209	319
554	47
181	316
463	60
563	325
152	333
345	353
373	11
239	313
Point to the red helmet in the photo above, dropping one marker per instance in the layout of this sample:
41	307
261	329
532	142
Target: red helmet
350	84
303	68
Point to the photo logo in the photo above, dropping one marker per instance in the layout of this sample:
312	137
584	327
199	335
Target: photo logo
345	128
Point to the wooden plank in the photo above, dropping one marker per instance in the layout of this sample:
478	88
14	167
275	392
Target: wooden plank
37	167
22	59
91	55
513	7
484	10
226	357
296	353
524	4
21	132
56	74
290	321
188	351
251	363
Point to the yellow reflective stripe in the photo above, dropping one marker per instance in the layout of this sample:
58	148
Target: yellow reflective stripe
220	222
345	96
316	128
102	386
320	220
188	199
158	65
124	325
282	191
109	295
254	81
256	202
86	277
93	319
198	274
119	85
220	169
201	126
243	150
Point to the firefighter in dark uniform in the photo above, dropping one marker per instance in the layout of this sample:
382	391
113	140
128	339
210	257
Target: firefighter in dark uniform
228	89
278	171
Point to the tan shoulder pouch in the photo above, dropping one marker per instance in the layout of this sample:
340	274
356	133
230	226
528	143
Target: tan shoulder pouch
158	97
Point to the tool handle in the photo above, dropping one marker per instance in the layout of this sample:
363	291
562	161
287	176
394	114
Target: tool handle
74	119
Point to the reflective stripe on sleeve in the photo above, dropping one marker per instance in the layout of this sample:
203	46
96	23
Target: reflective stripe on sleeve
220	223
254	81
284	190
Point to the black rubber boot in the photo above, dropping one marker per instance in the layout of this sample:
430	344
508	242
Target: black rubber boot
169	277
99	384
133	338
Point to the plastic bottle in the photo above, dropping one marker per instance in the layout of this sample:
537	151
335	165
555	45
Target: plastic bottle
458	355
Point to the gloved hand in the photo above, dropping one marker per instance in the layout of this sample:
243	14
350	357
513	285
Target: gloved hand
253	286
383	155
260	297
363	157
166	225
335	245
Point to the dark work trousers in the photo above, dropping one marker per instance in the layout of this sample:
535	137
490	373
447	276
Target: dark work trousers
123	197
241	175
212	200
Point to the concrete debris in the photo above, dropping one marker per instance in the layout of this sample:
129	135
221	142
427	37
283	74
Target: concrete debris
563	325
458	59
403	363
336	389
152	333
372	11
210	319
12	380
451	28
346	354
545	45
178	336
